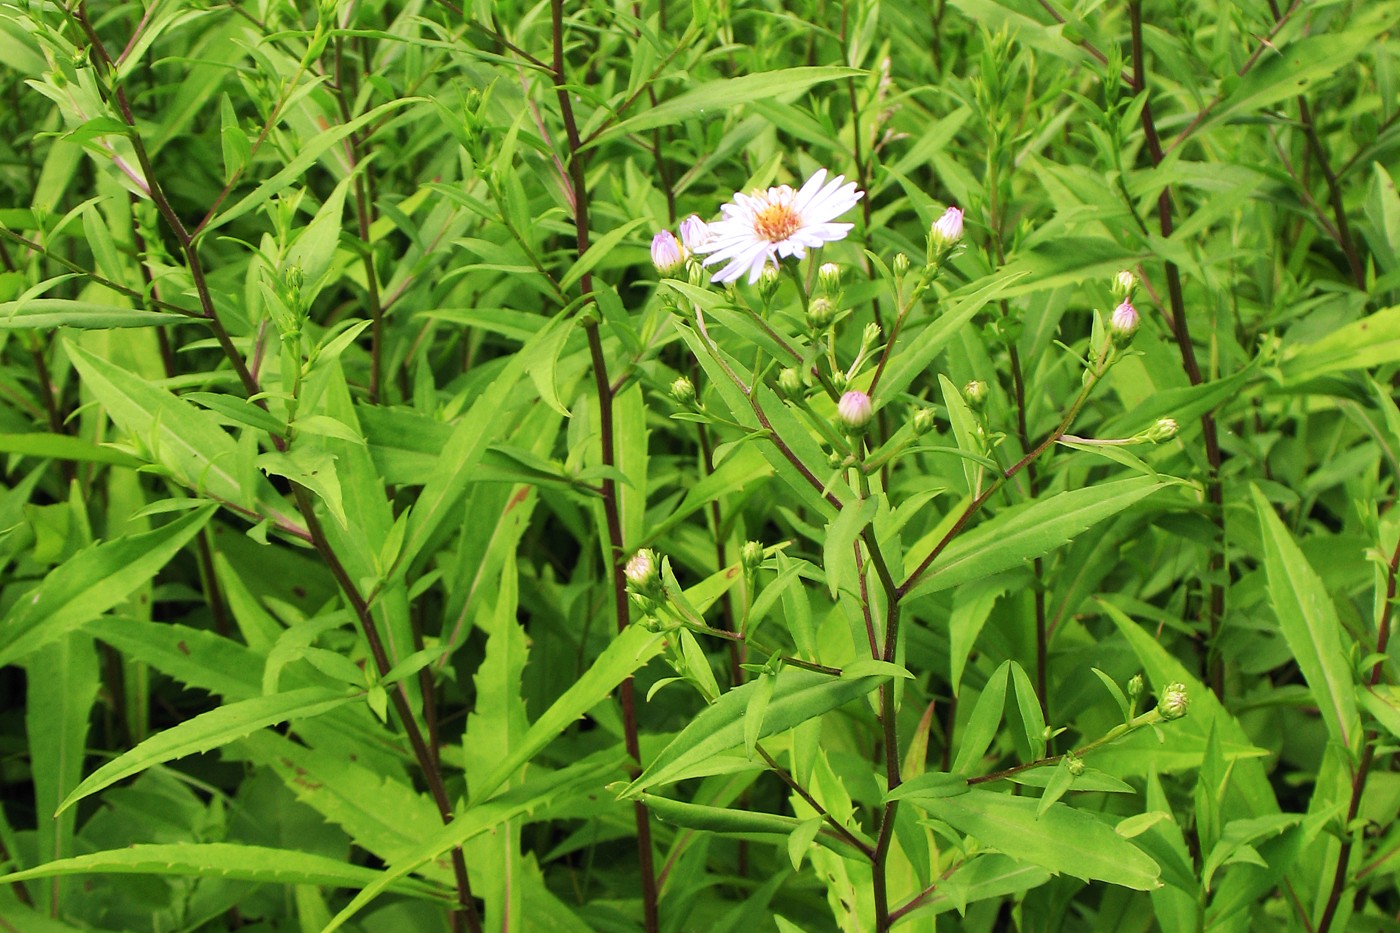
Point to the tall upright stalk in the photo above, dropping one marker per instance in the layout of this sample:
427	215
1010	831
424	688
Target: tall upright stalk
1181	332
617	549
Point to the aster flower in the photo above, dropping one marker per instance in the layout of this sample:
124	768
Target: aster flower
777	223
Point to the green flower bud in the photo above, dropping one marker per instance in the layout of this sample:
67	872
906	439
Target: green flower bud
1124	283
751	555
871	335
790	384
1074	763
1173	702
900	266
839	380
975	394
1135	689
683	391
768	281
829	279
821	312
922	421
1163	429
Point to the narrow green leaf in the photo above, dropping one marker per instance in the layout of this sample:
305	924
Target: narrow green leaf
210	730
719	97
758	708
459	457
1062	839
972	606
61	312
1372	341
480	818
982	724
920	347
838	544
798	695
220	860
1308	620
185	440
1024	532
306	156
629	651
91	582
1061	777
1032	719
932	786
64	447
604	246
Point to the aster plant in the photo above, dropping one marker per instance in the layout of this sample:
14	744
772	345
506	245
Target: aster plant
803	377
721	465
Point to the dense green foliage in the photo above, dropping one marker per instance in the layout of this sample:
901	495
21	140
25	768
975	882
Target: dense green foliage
388	544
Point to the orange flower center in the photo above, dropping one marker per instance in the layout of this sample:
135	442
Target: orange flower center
776	222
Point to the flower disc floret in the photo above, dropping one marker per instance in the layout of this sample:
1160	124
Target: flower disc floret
768	226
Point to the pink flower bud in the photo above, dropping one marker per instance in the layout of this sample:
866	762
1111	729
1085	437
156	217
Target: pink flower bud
1124	323
695	233
854	411
666	253
947	230
642	571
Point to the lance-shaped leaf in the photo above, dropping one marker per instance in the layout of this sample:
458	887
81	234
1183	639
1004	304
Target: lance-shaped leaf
798	695
1025	532
221	860
1062	839
211	730
187	441
724	94
1309	623
629	651
91	582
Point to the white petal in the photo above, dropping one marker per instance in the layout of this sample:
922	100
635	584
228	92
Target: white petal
809	190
